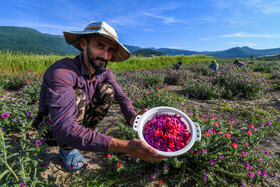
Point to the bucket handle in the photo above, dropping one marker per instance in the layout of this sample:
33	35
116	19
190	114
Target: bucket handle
136	122
197	132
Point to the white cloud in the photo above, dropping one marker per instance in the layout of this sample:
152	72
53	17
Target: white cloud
165	19
265	6
248	35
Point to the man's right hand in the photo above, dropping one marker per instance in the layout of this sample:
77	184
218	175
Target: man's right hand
137	148
141	150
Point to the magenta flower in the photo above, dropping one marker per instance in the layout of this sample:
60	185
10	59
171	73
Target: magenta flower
21	185
258	172
85	165
28	114
153	176
246	144
5	115
158	170
204	178
38	143
269	123
191	151
275	175
221	156
251	174
264	174
244	153
260	159
2	129
266	153
197	153
72	166
165	166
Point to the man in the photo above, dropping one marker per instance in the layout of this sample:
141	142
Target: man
239	63
77	93
214	65
177	65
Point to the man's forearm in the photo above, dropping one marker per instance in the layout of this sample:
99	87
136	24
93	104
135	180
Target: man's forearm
119	145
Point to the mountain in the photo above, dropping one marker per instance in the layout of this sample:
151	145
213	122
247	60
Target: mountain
147	53
27	40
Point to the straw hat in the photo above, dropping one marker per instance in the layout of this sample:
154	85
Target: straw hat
102	29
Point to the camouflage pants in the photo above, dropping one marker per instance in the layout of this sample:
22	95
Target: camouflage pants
88	115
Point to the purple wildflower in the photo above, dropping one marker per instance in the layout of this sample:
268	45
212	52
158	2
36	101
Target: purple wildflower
204	178
85	165
5	115
260	159
244	153
28	114
221	156
38	143
265	153
251	174
264	174
153	176
165	166
258	172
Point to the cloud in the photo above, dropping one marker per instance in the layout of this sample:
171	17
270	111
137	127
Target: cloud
247	35
265	6
165	19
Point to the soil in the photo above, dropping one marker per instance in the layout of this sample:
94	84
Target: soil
270	144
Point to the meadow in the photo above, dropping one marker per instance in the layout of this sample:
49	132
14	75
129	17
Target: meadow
238	110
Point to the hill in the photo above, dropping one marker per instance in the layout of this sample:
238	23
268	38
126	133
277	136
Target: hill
30	41
147	53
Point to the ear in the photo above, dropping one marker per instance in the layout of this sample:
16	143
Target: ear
83	43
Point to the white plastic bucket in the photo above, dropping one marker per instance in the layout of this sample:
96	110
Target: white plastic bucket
193	127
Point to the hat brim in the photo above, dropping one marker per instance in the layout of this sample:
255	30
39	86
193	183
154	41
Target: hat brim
74	37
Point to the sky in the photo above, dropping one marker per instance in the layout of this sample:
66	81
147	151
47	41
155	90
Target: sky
196	25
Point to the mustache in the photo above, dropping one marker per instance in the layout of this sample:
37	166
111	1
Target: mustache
101	59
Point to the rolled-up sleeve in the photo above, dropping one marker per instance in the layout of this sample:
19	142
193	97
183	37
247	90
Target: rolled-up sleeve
61	101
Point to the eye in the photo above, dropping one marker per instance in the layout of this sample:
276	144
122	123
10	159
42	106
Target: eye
100	46
111	50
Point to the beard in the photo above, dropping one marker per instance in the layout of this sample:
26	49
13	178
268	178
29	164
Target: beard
92	60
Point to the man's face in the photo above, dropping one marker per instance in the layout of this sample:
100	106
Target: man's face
99	51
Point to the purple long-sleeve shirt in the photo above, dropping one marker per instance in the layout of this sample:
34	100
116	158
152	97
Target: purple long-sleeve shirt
57	92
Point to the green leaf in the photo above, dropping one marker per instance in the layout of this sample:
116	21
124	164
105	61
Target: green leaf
4	173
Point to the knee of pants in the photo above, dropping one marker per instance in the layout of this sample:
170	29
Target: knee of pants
105	91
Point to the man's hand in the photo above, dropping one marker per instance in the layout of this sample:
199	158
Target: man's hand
134	117
141	150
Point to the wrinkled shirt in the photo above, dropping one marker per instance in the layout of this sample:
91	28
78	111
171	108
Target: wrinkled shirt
57	93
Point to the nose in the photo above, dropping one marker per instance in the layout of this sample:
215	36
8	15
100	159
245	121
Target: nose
105	54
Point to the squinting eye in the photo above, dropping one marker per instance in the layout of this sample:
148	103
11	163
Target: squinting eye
100	46
111	50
